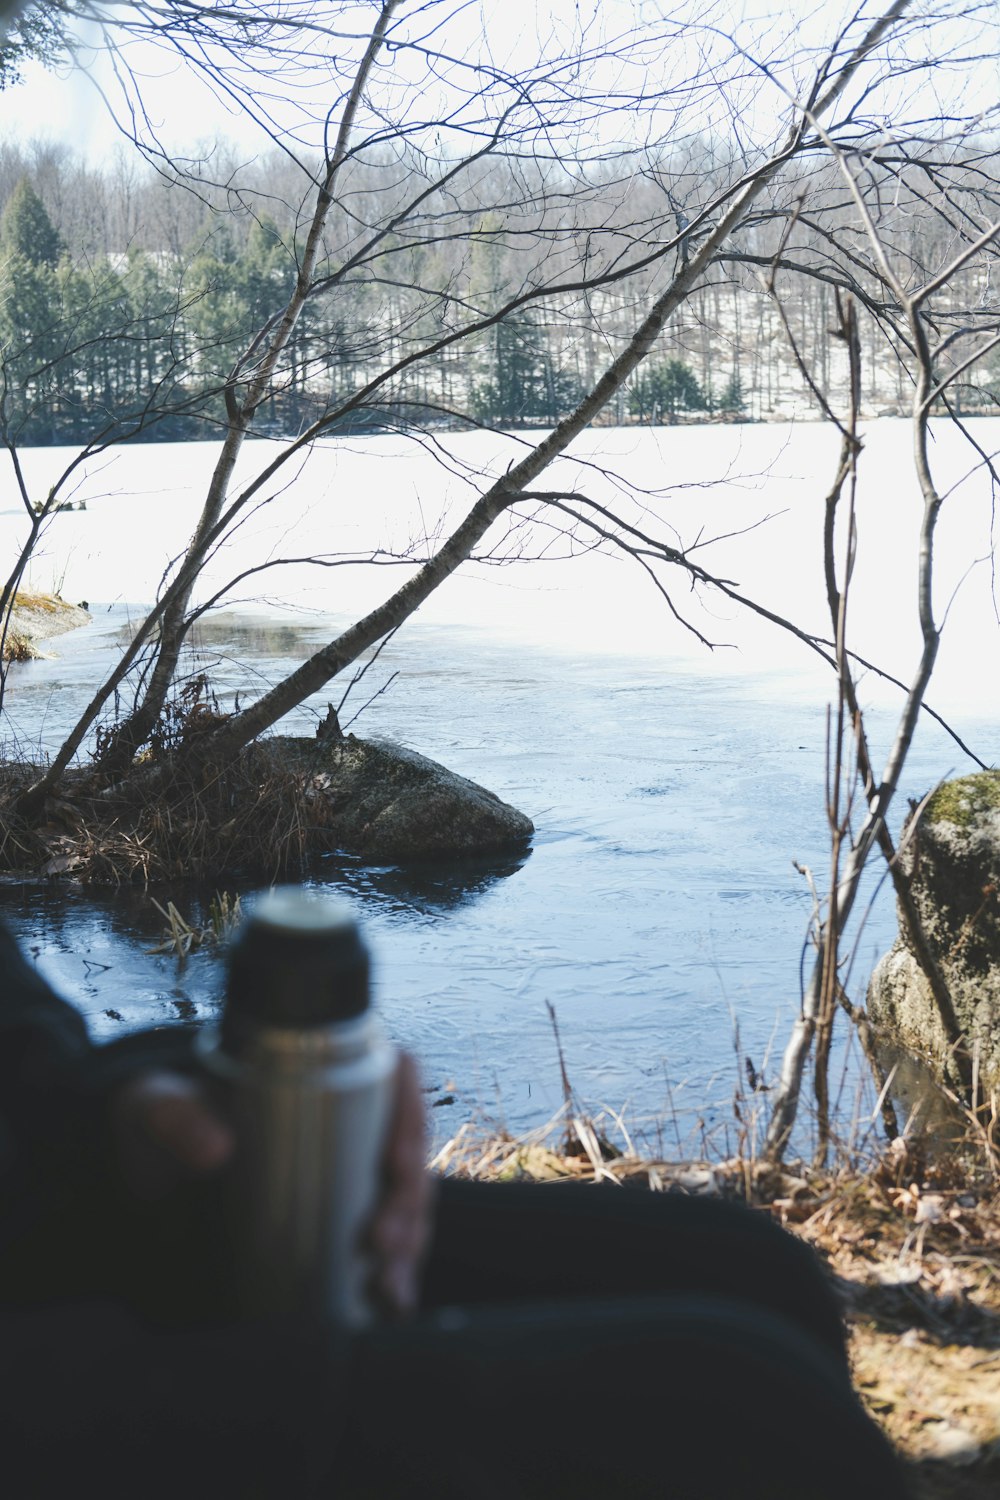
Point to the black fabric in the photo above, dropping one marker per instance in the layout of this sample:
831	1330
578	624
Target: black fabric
585	1341
519	1241
575	1341
596	1376
95	1402
42	1042
680	1397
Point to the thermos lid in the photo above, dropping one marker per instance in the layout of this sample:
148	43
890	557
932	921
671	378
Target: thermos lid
298	960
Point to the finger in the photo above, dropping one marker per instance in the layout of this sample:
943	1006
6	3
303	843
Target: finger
401	1224
405	1187
166	1119
182	1123
400	1228
406	1145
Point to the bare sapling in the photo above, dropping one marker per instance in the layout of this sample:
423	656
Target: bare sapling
850	850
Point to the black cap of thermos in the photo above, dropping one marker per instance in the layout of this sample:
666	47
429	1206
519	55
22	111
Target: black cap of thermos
298	960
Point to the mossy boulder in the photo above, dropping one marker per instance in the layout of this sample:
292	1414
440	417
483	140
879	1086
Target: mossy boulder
269	810
953	859
385	802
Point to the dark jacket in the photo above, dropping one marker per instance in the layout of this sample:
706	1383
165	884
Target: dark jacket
55	1086
117	1370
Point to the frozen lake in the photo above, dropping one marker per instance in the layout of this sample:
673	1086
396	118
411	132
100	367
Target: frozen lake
671	787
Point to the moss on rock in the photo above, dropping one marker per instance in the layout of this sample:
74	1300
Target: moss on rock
965	799
953	861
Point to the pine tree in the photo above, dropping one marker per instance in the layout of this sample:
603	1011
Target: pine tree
732	398
26	229
662	391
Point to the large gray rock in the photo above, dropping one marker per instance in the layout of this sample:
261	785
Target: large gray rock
954	862
388	803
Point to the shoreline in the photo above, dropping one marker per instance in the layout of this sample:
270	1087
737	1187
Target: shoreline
37	617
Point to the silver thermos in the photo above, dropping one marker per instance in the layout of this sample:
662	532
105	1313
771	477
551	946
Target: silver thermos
308	1073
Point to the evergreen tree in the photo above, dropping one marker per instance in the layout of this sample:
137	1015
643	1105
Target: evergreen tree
732	398
232	293
30	345
663	391
217	315
27	230
266	269
526	384
30	305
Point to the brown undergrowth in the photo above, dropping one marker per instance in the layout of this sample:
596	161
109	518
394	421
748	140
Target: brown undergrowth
18	647
175	814
913	1245
169	820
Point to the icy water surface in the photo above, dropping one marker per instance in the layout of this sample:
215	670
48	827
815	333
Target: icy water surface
657	910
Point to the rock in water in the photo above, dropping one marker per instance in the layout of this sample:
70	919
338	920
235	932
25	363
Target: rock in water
388	803
954	862
36	617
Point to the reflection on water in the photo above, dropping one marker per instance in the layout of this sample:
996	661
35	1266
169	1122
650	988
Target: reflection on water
242	637
94	947
421	888
249	636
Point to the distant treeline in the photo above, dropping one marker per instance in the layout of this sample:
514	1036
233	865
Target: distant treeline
129	302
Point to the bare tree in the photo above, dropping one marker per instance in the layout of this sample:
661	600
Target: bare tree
931	331
450	195
444	203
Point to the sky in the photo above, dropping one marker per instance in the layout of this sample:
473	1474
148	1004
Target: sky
67	106
71	104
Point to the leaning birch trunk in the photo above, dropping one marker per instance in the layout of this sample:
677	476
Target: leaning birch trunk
246	386
334	657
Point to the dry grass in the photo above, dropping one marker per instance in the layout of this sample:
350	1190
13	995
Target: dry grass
21	846
18	647
181	938
33	617
176	814
45	603
257	815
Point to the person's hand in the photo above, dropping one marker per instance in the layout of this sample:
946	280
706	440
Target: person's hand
169	1131
401	1225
